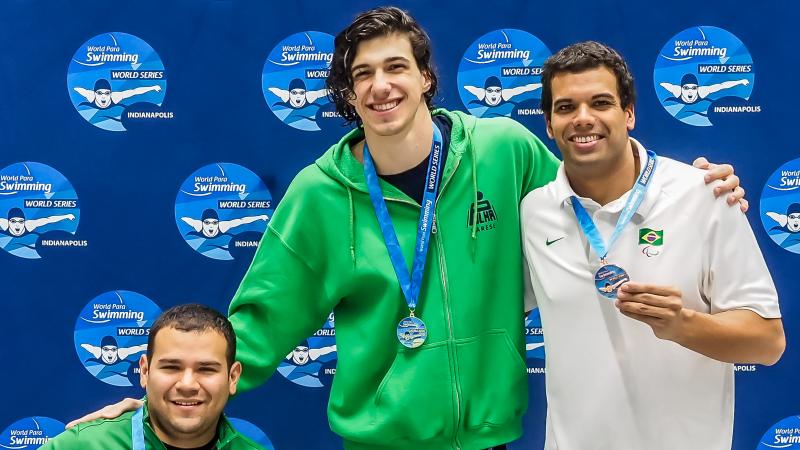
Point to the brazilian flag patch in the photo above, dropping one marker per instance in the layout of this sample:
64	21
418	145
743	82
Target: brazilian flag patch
648	236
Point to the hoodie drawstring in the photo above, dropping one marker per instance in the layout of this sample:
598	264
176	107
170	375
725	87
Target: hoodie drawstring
352	227
474	242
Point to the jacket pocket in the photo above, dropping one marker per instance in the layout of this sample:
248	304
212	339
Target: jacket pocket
415	398
493	379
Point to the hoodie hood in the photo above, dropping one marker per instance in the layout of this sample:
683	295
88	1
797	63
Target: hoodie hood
339	163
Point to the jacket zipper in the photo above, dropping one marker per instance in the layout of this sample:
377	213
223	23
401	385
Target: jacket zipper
446	292
443	274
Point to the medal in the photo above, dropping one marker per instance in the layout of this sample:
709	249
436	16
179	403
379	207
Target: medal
411	331
609	277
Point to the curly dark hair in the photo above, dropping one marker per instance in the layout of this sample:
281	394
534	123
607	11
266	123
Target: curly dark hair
368	25
583	56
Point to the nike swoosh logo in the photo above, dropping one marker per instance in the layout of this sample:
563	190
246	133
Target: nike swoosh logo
548	242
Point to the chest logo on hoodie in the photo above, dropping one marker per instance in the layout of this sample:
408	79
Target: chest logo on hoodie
482	214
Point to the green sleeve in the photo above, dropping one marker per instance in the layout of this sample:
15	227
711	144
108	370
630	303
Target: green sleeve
67	440
281	301
543	164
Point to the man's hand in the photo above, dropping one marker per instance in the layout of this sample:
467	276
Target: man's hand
661	307
730	182
110	411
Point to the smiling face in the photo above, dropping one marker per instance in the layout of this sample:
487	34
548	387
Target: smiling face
588	122
388	85
188	383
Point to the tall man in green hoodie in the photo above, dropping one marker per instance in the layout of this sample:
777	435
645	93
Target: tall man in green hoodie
429	358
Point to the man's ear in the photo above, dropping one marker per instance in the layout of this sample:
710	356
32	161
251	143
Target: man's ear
630	119
233	377
426	84
144	371
548	126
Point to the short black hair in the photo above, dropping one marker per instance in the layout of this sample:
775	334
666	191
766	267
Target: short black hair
194	317
368	25
584	56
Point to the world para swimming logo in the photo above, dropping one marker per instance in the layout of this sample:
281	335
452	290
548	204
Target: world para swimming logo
222	211
30	433
783	435
111	335
704	74
115	80
293	81
534	343
39	211
312	363
780	206
500	75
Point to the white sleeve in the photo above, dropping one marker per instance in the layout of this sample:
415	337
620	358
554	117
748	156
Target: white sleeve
735	275
530	296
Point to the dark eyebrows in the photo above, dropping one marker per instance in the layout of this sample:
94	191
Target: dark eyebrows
604	96
172	361
386	61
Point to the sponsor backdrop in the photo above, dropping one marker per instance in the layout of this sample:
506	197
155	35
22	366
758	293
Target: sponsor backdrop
144	147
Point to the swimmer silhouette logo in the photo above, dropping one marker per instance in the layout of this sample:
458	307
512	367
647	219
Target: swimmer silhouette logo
312	362
704	74
39	211
111	334
115	79
30	433
500	74
780	206
222	211
293	81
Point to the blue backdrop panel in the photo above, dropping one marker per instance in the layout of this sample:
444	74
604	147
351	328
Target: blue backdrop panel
134	119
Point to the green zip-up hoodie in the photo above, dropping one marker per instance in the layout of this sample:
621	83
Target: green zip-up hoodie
115	434
466	387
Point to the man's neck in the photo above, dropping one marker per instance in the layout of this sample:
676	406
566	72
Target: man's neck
183	441
402	151
606	184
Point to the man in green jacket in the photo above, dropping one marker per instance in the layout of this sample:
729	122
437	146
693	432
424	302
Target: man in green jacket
188	373
430	358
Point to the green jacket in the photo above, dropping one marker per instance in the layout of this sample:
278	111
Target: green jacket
115	434
466	387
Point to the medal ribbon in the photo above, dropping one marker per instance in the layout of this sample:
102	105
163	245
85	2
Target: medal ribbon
634	200
410	284
137	429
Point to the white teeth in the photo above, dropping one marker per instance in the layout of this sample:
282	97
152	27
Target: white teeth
586	139
187	403
385	106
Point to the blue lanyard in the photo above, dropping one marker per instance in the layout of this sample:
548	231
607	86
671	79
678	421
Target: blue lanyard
410	284
634	200
137	429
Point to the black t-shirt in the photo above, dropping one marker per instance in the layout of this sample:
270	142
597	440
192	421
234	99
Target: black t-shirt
211	445
412	181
